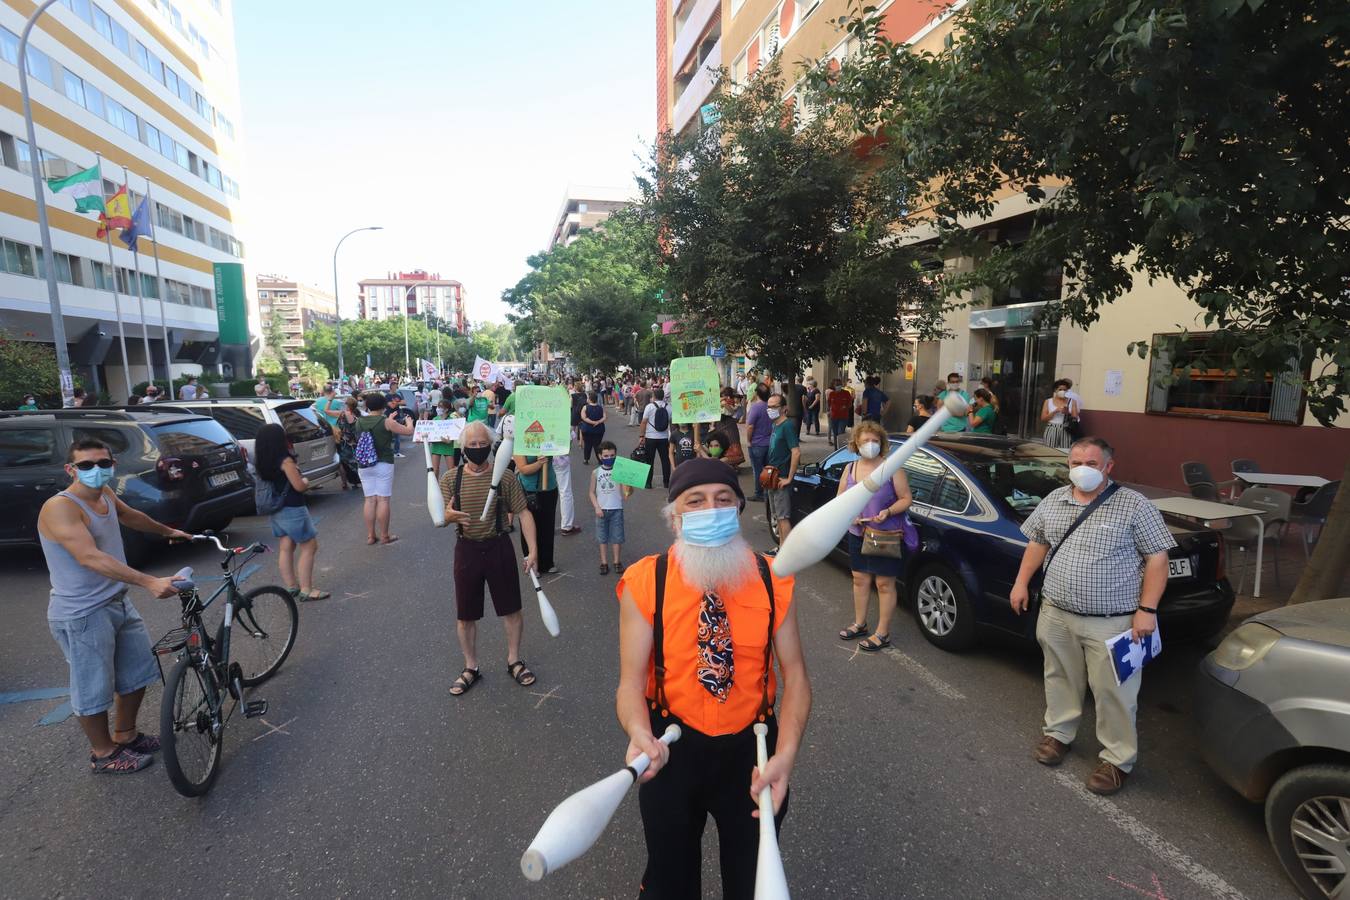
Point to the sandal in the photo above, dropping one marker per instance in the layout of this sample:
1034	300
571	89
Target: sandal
875	642
313	595
618	567
604	569
522	675
853	632
467	679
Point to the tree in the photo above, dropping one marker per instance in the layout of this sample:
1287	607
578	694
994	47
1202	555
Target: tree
777	237
1201	142
274	340
579	296
27	367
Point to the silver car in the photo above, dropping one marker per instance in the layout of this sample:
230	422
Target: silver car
1273	708
310	436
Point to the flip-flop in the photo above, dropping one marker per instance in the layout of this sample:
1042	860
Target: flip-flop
874	643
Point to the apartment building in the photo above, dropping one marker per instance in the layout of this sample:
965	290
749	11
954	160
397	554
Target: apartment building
1155	427
584	207
152	86
295	307
414	293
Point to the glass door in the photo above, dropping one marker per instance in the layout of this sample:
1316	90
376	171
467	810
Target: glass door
1022	371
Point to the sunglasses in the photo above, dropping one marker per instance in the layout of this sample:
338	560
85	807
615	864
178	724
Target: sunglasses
85	465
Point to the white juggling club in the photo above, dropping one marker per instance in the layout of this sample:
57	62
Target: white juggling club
545	608
499	465
576	824
816	535
770	882
435	502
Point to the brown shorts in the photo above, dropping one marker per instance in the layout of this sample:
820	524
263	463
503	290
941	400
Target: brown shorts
491	563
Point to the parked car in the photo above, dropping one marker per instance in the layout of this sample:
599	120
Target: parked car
311	438
971	495
181	469
1273	711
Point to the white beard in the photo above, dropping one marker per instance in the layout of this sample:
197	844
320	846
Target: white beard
722	569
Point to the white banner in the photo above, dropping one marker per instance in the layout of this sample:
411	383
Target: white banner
434	430
429	371
486	372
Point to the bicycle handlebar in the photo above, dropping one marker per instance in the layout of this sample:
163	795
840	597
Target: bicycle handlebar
255	547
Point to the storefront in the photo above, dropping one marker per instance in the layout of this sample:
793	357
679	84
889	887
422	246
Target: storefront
1007	347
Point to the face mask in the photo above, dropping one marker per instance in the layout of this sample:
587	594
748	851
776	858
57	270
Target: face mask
954	386
774	412
1086	478
1060	394
714	452
710	527
95	478
869	450
607	462
477	455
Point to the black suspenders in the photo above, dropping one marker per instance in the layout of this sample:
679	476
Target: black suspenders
496	503
658	638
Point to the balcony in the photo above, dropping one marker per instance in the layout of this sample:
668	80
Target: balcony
688	33
698	90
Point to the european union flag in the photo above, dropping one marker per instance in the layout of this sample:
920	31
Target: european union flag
140	225
1128	657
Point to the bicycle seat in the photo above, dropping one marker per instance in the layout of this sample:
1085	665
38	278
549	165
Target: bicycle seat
182	579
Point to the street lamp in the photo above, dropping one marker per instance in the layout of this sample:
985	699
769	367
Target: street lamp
49	260
337	304
635	353
656	347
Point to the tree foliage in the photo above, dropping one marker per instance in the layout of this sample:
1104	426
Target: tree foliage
383	341
778	235
28	367
1201	141
588	297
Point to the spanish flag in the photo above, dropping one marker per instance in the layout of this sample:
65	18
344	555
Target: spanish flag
117	212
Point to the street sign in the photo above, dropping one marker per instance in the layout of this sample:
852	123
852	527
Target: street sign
716	349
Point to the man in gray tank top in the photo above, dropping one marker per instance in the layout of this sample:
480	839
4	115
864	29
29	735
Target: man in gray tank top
98	629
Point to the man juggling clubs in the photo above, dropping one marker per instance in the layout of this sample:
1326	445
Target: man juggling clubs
699	628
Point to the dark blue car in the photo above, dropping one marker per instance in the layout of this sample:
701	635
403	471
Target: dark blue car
971	495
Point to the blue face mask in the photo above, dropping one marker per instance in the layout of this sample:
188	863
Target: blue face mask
607	462
710	527
95	478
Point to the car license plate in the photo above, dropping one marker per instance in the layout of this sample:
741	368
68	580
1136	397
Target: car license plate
223	478
1179	568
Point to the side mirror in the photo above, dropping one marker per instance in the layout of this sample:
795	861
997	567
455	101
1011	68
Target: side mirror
810	470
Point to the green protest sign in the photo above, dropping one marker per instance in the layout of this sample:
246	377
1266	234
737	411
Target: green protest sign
630	472
695	390
543	425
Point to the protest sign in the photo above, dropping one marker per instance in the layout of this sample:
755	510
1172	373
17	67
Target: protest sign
434	430
695	390
543	425
630	472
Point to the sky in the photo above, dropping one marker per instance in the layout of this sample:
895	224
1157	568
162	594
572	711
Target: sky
456	125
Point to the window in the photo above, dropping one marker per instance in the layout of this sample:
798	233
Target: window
149	285
39	65
102	276
952	494
68	269
805	8
27	447
738	70
103	23
264	295
1178	386
117	439
142	57
185	91
74	87
923	471
81	8
9	46
152	136
242	422
93	101
121	40
180	155
171	80
19	259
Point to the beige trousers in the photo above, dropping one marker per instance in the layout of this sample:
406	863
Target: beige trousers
1076	659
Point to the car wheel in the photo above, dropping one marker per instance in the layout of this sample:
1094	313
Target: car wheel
1308	821
942	609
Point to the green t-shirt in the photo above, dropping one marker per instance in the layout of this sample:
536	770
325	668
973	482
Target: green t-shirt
782	442
478	409
383	437
955	423
986	418
28	407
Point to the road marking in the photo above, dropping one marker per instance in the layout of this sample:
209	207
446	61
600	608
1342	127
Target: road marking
58	715
551	695
275	729
924	674
1155	894
38	694
852	656
560	576
1168	852
359	596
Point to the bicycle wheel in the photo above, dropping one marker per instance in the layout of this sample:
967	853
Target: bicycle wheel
263	632
190	743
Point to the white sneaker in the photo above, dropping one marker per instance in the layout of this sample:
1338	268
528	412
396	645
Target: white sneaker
400	456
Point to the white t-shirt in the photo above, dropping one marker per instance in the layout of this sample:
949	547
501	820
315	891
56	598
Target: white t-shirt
187	392
607	490
1057	418
649	414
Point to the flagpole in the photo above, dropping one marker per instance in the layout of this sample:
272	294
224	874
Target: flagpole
112	266
159	285
140	297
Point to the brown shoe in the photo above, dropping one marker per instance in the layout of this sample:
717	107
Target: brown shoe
1106	779
1050	752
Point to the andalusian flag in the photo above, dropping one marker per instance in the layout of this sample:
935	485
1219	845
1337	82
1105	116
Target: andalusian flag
117	213
85	187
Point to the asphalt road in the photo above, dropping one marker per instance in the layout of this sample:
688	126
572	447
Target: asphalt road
367	779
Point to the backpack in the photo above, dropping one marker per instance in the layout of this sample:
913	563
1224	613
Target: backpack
266	497
661	418
366	455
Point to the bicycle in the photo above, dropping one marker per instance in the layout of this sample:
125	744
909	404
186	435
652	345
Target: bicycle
208	670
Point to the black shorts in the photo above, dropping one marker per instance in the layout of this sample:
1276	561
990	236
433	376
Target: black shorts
490	563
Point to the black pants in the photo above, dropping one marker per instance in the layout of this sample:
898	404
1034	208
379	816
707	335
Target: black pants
658	449
546	510
705	776
590	443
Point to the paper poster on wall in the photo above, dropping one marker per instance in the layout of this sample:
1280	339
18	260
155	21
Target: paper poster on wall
543	424
998	367
909	370
1115	380
961	369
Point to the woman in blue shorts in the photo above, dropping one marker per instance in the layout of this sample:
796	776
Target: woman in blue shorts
275	462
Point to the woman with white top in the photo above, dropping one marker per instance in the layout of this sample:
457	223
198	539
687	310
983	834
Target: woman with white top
1056	412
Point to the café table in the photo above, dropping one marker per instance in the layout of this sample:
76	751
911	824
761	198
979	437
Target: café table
1272	479
1207	511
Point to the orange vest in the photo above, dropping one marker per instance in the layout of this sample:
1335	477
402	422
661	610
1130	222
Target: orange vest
748	614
